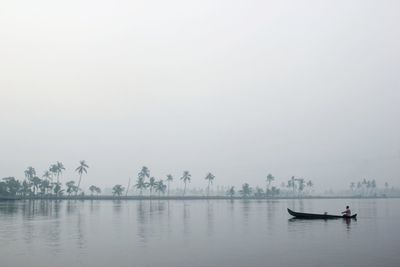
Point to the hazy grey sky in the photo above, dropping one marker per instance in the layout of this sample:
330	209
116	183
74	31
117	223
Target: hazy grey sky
238	88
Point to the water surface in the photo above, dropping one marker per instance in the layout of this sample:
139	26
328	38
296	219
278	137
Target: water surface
197	233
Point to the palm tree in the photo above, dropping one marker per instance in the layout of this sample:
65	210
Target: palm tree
36	181
118	189
169	180
144	172
270	178
81	169
246	190
292	184
30	172
48	177
364	185
92	189
301	184
160	187
186	178
53	170
210	177
60	169
57	188
98	190
231	191
71	187
140	184
151	184
310	184
44	186
26	188
57	170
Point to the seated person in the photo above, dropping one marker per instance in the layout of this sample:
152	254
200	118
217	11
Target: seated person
347	212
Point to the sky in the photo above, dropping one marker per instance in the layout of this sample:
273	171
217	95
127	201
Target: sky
237	88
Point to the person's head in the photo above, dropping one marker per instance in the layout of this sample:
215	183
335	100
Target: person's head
347	207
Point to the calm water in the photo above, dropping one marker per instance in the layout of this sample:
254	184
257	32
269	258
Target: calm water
197	233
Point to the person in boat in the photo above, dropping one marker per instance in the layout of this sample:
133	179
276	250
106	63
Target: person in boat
347	212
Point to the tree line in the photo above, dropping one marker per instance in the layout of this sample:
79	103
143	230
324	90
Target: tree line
366	187
49	184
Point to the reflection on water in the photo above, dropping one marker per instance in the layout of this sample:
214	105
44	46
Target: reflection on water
141	220
211	233
210	218
186	217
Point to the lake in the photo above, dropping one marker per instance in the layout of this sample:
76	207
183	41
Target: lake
197	233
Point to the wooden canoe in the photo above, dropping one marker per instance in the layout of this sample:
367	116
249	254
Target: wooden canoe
319	216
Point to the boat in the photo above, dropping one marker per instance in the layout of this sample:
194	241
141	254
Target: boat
300	215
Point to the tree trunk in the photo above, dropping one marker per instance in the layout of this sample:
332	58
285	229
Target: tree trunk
58	182
127	189
79	183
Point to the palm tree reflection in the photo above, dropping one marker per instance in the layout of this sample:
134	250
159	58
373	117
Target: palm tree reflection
210	218
141	220
186	217
149	216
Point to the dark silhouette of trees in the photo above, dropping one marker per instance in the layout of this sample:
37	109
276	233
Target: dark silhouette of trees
94	189
57	170
140	184
141	181
82	168
231	191
259	192
151	184
210	178
9	186
117	190
30	172
35	181
71	187
144	172
170	178
186	179
246	190
270	179
160	187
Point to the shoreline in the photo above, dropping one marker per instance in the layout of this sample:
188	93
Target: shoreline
8	198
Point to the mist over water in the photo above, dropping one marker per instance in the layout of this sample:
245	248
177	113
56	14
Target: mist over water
177	133
197	233
239	89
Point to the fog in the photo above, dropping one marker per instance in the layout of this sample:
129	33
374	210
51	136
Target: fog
237	88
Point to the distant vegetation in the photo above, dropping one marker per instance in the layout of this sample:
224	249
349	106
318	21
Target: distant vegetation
366	188
49	185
